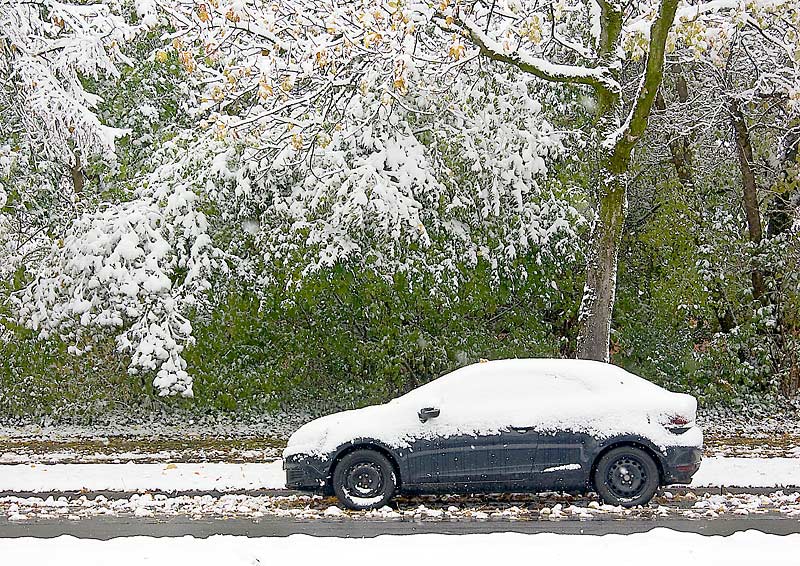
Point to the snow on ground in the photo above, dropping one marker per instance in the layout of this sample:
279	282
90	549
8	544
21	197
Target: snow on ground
170	426
520	507
141	477
671	547
715	471
748	472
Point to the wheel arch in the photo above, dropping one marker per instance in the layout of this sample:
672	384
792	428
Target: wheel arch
634	443
365	445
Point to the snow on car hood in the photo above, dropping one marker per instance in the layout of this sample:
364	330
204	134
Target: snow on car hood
548	395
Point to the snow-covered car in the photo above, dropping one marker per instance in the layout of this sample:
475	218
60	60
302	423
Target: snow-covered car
523	425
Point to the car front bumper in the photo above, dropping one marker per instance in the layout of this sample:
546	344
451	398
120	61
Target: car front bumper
305	472
681	463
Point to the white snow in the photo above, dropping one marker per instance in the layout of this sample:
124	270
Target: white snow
748	472
715	471
486	398
563	468
671	547
135	477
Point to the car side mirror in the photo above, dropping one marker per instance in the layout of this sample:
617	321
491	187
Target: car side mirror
428	413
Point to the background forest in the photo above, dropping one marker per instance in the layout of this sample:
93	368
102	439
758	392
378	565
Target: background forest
296	269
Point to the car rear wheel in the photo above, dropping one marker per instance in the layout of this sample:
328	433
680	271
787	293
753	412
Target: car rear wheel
364	479
626	476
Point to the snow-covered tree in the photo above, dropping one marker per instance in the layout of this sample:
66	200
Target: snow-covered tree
47	121
48	49
412	137
92	266
304	82
730	114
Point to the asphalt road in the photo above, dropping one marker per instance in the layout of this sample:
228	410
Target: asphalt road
105	528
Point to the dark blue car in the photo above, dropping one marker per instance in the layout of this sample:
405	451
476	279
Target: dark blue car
505	426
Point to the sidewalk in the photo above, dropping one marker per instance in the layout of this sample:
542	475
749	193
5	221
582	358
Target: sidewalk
229	477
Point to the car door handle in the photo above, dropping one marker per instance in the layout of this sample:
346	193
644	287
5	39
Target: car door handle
521	429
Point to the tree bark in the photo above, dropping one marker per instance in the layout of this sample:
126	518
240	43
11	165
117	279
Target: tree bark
779	222
601	273
744	151
597	305
780	214
76	172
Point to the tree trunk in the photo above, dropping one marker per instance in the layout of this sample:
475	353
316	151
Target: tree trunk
601	271
780	217
76	172
744	151
780	212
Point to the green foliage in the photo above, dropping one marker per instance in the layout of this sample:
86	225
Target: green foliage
684	268
346	340
41	382
343	340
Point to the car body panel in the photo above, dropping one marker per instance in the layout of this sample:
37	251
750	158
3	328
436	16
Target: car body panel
470	460
424	468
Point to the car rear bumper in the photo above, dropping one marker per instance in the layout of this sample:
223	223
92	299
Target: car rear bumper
305	472
681	463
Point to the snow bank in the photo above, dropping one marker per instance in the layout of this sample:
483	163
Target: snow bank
135	477
657	547
486	398
748	472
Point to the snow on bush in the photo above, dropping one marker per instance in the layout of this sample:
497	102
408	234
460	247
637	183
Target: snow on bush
135	269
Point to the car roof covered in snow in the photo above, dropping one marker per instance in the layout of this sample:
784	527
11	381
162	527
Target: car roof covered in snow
537	376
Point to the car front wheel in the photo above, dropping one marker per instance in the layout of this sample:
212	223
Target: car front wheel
364	479
626	476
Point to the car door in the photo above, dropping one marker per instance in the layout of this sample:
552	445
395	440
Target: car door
458	451
562	460
457	461
520	450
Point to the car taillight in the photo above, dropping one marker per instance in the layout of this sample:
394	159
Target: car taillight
677	420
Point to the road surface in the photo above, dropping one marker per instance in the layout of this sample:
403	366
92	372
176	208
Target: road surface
105	528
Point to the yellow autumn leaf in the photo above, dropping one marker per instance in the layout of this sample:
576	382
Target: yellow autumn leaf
400	85
187	60
372	39
456	51
202	13
265	89
323	140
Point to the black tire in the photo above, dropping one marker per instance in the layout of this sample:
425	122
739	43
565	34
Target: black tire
626	476
364	479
